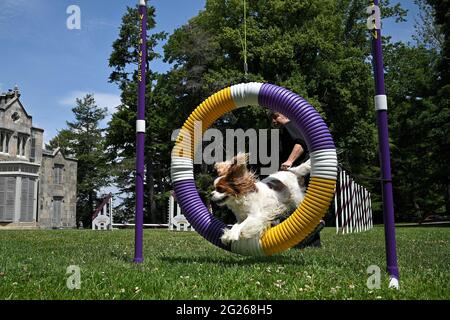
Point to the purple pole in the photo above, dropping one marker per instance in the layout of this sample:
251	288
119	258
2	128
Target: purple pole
383	140
140	134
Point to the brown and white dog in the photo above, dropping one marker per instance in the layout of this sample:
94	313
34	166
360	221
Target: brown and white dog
256	203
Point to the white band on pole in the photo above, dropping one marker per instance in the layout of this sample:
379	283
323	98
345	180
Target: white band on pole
380	102
140	125
142	2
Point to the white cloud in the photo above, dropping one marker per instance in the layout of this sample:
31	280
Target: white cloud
99	23
103	100
13	5
10	9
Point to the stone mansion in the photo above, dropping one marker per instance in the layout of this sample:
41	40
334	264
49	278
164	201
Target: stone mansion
37	186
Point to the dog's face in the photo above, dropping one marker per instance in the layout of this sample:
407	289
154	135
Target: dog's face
234	180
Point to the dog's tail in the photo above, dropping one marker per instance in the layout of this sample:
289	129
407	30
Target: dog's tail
302	170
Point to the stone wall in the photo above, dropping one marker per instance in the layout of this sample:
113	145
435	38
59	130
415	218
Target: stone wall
49	192
53	193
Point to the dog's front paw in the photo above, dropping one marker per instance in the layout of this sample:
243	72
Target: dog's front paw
230	235
226	237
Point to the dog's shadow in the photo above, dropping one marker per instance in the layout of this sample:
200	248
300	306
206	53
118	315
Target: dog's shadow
237	260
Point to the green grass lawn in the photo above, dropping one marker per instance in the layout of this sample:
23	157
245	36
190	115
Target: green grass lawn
182	265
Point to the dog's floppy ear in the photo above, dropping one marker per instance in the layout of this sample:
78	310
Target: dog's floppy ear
239	165
241	159
222	167
236	165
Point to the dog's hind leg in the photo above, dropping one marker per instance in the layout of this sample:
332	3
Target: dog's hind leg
302	170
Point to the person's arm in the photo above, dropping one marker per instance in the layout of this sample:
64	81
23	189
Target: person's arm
296	152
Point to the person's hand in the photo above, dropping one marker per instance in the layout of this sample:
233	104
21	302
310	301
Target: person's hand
286	165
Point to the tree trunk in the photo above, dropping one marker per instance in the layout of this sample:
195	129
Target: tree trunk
150	184
90	208
447	196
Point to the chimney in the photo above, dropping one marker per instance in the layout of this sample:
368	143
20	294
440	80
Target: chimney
2	99
16	91
8	96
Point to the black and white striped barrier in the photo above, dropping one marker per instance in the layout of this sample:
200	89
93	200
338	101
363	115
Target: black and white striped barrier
353	206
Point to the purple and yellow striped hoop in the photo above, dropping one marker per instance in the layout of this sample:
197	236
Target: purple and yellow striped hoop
321	187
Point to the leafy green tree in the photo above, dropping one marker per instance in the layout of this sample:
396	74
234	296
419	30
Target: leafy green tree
63	141
84	140
319	49
121	132
440	121
410	92
427	32
420	117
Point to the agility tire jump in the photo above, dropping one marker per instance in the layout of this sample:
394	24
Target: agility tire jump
302	222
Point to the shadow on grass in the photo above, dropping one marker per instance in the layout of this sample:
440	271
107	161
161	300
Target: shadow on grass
236	260
122	257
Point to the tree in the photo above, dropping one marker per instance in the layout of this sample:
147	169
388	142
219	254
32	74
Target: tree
420	116
440	122
84	140
63	141
410	92
427	32
319	49
121	132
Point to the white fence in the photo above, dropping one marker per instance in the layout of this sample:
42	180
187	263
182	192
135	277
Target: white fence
353	206
177	220
102	218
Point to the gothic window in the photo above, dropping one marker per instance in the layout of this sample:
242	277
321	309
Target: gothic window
57	211
15	116
33	149
24	144
58	172
5	136
7	198
21	145
27	200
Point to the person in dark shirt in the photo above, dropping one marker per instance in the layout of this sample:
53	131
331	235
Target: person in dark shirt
293	148
293	152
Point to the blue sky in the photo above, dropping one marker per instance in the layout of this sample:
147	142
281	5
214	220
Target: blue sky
53	65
